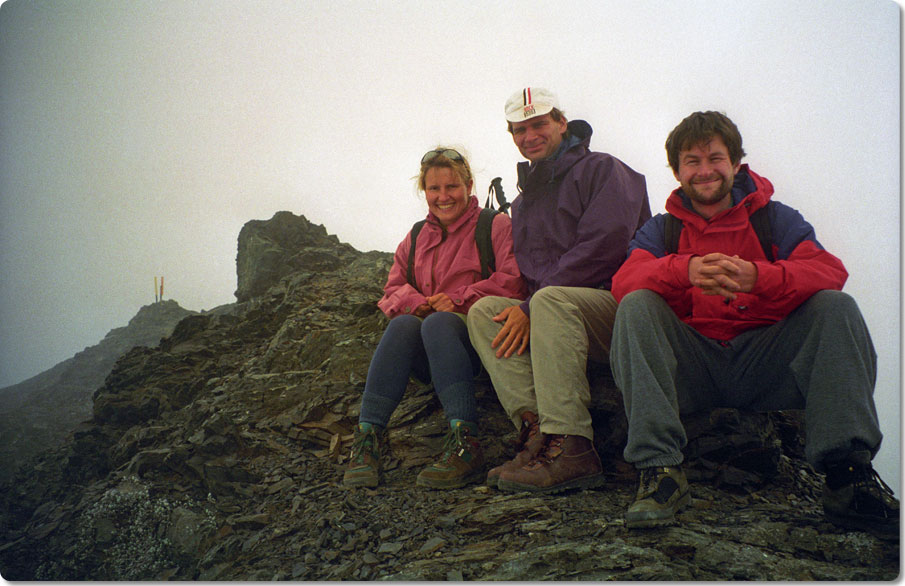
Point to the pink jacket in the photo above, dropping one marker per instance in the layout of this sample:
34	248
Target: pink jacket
452	266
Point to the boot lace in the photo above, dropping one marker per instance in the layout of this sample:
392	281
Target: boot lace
529	430
867	483
551	450
454	443
363	443
649	477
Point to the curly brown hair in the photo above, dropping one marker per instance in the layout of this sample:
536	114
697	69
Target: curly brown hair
699	128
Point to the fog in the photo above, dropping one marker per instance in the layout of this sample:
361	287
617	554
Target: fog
138	137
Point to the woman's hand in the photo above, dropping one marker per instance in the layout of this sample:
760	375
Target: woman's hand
441	302
423	310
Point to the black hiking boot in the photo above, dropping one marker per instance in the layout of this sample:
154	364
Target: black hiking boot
855	497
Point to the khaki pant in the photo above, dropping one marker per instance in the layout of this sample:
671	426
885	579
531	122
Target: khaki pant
568	325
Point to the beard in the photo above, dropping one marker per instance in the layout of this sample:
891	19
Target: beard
712	197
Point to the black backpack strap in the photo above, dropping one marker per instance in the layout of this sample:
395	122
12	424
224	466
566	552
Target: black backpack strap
484	241
410	271
760	221
671	230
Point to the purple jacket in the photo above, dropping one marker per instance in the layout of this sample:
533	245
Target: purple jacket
575	215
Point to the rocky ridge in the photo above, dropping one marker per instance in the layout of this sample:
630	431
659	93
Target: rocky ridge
218	455
40	412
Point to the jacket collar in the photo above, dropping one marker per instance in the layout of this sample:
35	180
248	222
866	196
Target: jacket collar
748	189
576	145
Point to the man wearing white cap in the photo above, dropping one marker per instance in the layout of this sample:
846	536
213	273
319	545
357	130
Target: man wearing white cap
572	221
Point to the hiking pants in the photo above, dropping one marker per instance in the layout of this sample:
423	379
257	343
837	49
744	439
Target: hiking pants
568	325
435	349
820	358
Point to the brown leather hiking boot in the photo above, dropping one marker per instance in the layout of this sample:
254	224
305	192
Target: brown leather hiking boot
462	462
565	462
530	442
364	461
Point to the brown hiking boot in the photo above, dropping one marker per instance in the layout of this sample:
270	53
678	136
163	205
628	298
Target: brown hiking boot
364	461
565	462
462	461
662	492
530	442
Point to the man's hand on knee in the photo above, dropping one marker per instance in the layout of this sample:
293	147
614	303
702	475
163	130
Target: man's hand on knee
515	333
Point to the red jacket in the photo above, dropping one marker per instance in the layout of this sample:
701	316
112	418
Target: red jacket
802	266
452	266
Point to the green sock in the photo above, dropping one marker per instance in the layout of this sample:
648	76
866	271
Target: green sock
469	425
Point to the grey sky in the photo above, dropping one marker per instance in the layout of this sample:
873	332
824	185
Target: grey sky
138	137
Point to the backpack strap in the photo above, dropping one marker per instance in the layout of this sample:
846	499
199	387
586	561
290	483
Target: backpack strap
484	241
760	222
410	271
671	231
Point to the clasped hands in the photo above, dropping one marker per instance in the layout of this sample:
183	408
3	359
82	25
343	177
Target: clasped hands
719	274
438	302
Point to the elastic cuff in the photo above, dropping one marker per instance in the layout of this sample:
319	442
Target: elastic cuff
459	402
376	409
665	460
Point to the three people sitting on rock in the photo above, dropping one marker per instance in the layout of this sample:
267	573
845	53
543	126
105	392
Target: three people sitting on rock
711	313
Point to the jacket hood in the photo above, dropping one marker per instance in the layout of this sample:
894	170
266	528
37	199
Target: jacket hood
581	130
750	192
578	143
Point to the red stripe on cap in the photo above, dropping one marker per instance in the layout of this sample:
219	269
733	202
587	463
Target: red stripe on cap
527	94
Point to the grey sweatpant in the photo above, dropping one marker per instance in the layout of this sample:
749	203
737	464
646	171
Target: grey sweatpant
568	325
819	358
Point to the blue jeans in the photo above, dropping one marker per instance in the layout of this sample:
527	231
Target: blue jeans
435	349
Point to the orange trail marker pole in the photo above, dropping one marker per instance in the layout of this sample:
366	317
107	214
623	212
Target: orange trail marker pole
161	287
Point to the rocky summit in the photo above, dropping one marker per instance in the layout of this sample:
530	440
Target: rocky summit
218	455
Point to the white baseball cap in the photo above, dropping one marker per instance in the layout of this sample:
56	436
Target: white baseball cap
529	103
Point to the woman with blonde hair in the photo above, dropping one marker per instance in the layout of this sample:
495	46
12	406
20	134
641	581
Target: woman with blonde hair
427	336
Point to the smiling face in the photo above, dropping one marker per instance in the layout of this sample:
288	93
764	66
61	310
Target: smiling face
706	173
538	138
446	194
